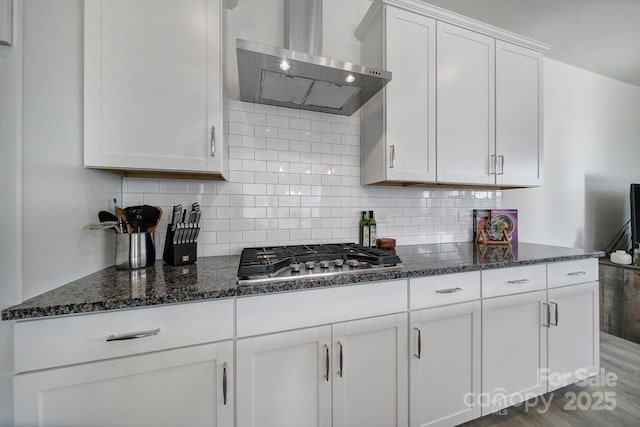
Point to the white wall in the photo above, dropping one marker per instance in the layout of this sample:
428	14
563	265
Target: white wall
10	194
60	197
592	154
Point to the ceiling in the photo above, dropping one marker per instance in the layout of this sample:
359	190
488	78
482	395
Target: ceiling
602	36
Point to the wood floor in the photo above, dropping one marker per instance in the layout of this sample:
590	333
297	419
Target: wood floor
617	356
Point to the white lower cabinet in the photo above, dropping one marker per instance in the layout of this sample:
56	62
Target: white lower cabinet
286	379
445	365
369	372
189	386
281	379
514	349
574	334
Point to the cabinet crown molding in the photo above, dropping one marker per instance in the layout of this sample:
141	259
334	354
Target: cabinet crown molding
451	18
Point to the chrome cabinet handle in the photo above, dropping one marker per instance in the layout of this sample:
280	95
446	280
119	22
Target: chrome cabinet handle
577	273
518	282
326	376
419	354
492	164
213	141
133	335
224	383
556	310
393	156
448	291
548	324
341	360
501	165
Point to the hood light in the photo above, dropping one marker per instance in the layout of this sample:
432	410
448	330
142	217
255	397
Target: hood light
284	65
350	78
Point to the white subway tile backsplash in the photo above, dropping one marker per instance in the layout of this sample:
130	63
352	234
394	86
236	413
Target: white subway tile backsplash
241	200
294	177
254	118
340	128
254	142
290	112
241	129
277	144
302	124
241	224
254	166
242	177
311	136
266	131
287	133
300	146
277	121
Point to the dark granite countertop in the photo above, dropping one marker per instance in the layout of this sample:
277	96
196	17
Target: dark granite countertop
215	277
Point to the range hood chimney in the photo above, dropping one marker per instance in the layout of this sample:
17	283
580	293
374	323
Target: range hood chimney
296	76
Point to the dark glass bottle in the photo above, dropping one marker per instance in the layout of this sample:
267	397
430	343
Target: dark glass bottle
373	231
364	229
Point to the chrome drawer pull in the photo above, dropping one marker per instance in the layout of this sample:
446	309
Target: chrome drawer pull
341	360
577	273
556	313
548	324
133	335
518	282
224	383
448	291
326	361
419	354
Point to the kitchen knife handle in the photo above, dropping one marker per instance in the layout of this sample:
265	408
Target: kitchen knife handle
133	335
213	141
419	354
556	313
341	360
548	313
224	383
326	359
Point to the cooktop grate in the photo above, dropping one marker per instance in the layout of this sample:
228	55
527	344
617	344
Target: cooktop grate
266	261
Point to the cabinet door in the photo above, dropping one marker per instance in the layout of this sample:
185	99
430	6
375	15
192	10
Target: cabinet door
514	349
191	386
153	86
284	379
466	106
574	346
369	372
445	365
518	115
410	96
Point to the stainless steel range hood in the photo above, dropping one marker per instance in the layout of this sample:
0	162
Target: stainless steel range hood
296	76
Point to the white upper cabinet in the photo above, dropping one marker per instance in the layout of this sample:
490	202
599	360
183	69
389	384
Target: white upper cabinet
399	122
466	106
154	88
518	115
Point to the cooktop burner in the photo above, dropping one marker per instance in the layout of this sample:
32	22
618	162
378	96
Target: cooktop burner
269	264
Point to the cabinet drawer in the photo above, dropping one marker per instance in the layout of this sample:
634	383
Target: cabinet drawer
279	312
442	290
572	272
61	341
513	280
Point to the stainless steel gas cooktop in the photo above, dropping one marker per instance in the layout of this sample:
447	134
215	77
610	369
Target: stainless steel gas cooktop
277	263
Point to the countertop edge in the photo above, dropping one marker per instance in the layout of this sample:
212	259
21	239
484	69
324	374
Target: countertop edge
16	313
